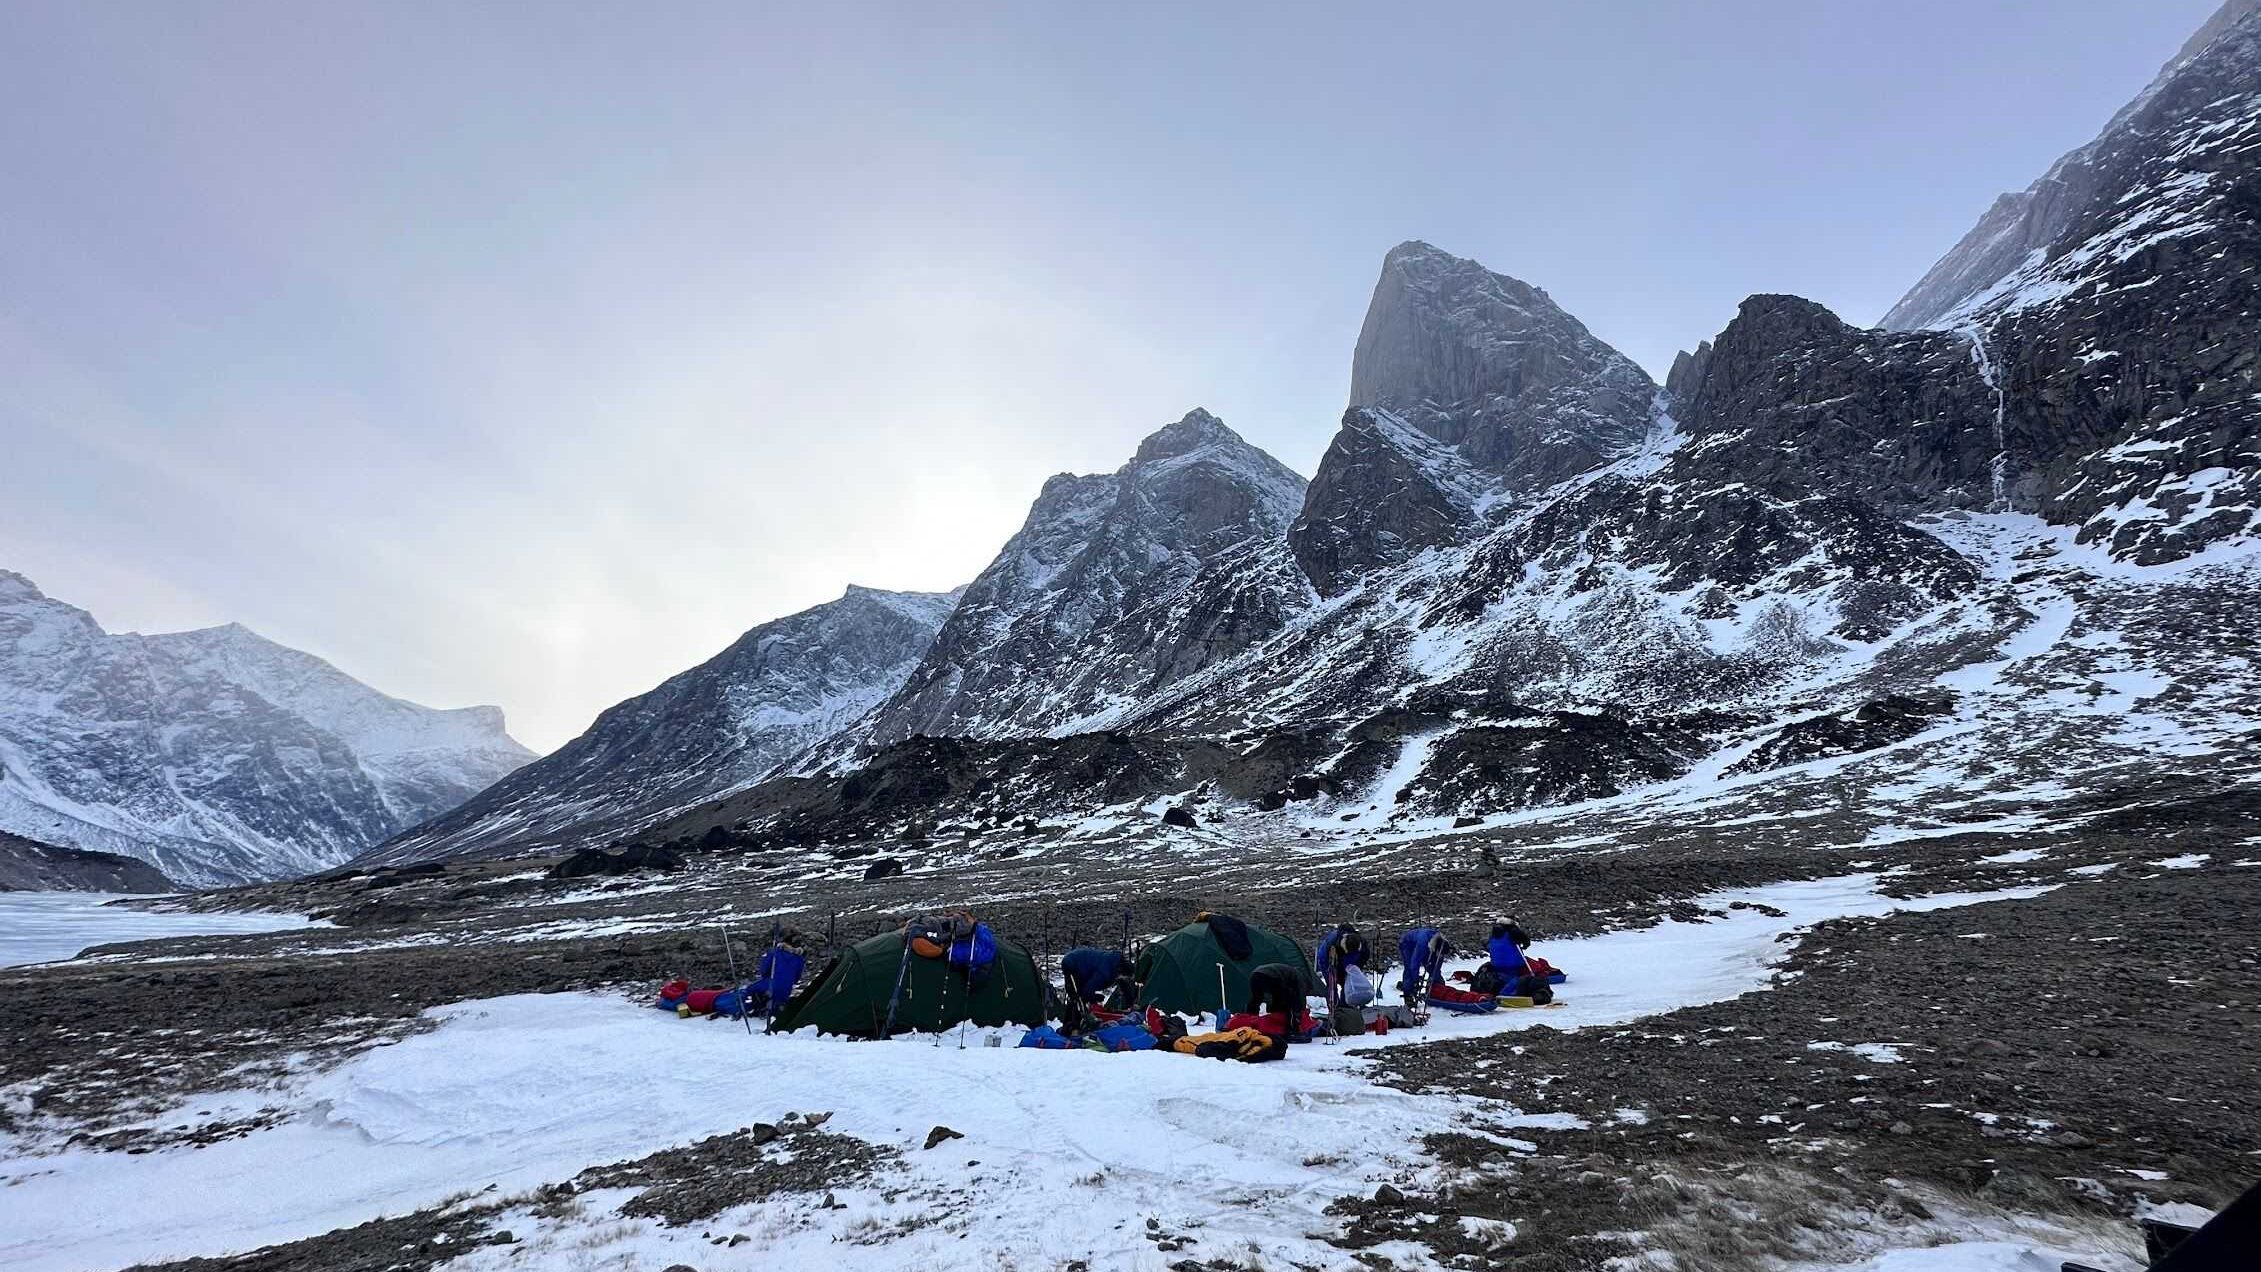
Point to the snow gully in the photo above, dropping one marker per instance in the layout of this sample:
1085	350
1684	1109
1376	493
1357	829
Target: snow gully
1998	467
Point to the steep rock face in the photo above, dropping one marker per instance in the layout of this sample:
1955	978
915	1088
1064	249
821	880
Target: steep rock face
218	756
1385	491
2121	337
1467	388
2039	217
1116	585
1791	400
779	688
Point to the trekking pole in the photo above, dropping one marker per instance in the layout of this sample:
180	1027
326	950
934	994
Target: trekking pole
1224	1009
901	970
735	982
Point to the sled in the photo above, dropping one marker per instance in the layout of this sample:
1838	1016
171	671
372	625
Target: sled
1520	1000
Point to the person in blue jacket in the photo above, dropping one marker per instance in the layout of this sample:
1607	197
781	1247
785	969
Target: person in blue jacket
1421	954
779	971
1509	972
1091	972
1341	948
1506	948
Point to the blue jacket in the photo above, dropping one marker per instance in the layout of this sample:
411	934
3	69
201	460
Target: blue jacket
1416	960
1506	957
778	972
1091	970
1333	958
975	953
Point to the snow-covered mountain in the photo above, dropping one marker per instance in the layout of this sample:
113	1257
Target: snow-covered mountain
1117	585
216	755
2008	551
2124	343
2039	217
783	686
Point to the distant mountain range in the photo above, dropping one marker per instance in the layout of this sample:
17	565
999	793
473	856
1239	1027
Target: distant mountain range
2004	546
216	755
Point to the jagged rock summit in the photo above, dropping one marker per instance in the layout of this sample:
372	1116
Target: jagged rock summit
1116	585
216	755
1467	388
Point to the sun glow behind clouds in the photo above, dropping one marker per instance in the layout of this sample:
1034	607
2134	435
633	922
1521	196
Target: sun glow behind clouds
531	363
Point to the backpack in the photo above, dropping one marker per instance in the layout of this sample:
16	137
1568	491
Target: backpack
1357	987
1489	980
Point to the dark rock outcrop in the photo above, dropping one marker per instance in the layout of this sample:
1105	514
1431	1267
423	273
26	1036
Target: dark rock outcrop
631	859
2117	318
26	865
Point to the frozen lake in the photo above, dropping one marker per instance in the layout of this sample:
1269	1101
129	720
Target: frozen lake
40	927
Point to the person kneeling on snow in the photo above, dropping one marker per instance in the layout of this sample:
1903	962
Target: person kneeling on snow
1509	972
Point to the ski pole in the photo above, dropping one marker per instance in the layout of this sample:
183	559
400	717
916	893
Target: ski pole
903	969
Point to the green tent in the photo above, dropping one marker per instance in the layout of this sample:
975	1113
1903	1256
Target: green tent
1179	972
851	996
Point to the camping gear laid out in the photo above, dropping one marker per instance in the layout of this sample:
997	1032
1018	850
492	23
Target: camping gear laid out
1383	1017
1466	1002
1046	1038
678	996
1195	971
883	985
1274	1023
1252	1045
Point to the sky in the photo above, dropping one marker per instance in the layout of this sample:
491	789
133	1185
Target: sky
528	354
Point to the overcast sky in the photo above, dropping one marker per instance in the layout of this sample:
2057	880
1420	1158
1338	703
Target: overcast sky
524	358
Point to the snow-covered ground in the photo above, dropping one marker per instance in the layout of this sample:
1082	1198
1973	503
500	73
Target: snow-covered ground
41	927
1065	1156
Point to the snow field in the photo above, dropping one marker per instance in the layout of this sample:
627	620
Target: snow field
1066	1155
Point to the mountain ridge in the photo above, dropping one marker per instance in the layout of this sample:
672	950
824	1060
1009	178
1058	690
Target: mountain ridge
215	755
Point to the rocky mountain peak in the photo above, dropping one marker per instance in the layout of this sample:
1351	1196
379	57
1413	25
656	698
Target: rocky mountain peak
1469	389
1443	329
1041	631
1198	428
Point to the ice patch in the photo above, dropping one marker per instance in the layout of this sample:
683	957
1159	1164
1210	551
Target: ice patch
41	927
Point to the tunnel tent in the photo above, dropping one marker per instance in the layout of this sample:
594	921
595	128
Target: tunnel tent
852	995
1180	972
